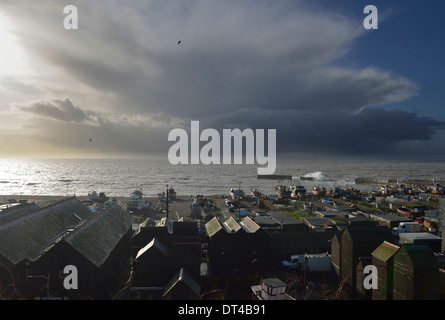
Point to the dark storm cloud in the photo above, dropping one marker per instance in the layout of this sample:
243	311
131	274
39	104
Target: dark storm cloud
63	110
373	130
240	64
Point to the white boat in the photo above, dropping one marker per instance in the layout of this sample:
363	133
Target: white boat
271	289
136	195
136	202
282	192
297	191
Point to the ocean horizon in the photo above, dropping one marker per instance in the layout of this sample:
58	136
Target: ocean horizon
119	177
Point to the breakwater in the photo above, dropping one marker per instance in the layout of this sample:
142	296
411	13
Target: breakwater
395	182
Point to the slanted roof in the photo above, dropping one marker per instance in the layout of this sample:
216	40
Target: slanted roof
213	227
249	225
155	243
97	238
182	277
17	212
420	255
385	251
30	235
231	225
368	233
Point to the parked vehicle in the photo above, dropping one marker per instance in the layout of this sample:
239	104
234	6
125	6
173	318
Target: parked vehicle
242	212
405	227
311	262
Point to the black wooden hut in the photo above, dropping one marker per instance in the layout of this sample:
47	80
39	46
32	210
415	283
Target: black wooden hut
416	273
383	260
359	242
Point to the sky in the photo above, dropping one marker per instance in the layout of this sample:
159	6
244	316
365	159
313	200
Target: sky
307	68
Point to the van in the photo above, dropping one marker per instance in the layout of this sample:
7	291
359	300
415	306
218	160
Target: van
405	227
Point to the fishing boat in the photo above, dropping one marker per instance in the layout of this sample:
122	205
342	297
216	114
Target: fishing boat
136	202
297	191
255	193
271	289
317	191
404	211
283	192
236	193
437	189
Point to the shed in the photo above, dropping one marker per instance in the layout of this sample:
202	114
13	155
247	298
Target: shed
146	232
359	242
362	292
416	273
185	247
336	253
29	243
99	248
320	224
152	265
429	239
383	260
182	287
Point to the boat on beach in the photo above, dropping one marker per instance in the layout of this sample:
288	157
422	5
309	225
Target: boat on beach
237	193
136	203
404	211
317	191
297	191
283	192
271	289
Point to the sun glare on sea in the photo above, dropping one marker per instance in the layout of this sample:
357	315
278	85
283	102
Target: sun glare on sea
12	56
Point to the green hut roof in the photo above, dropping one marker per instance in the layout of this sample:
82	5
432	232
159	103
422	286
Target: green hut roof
97	238
30	235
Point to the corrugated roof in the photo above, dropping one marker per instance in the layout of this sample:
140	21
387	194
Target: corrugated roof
97	238
29	235
385	251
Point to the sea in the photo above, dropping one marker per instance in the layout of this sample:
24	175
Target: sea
119	177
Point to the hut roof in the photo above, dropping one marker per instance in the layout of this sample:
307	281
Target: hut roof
97	238
183	277
30	235
249	225
213	227
17	212
368	233
155	243
385	251
231	225
421	255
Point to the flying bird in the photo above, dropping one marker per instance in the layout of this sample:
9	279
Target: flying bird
179	42
91	140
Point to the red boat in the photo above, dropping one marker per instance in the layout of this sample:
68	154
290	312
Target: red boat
404	211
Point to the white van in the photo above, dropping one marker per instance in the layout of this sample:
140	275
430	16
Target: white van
406	227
